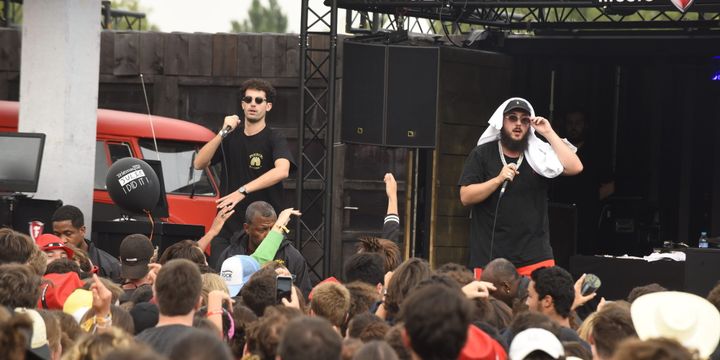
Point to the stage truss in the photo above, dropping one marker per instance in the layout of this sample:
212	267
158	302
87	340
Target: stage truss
461	17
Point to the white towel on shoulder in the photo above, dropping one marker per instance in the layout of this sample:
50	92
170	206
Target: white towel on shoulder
539	154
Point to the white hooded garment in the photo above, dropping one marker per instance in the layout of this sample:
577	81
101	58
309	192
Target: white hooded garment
539	154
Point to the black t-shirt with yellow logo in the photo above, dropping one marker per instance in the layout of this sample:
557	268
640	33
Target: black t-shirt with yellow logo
247	158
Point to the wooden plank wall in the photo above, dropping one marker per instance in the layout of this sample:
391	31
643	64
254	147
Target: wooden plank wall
184	69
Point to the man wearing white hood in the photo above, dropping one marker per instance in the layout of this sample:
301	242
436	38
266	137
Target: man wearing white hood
508	152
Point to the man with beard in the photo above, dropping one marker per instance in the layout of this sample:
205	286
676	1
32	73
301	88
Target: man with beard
255	160
511	163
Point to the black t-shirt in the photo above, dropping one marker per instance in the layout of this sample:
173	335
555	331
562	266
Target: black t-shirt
164	338
108	266
247	158
521	231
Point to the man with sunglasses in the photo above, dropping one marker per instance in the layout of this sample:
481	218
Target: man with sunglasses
505	179
255	159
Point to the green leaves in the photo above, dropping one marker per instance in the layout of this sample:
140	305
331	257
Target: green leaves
262	19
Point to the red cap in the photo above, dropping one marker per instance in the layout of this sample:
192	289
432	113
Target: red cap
52	242
481	346
57	289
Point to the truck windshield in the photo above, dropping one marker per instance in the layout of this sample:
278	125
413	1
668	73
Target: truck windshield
176	158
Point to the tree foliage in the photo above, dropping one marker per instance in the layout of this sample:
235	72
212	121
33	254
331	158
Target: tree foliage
262	19
15	14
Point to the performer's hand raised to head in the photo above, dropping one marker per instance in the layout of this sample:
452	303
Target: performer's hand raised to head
541	125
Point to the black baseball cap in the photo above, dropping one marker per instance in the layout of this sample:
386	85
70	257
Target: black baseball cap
136	250
517	104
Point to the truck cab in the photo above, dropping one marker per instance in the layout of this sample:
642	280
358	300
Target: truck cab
191	193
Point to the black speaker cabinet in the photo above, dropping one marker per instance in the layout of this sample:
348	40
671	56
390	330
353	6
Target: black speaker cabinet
108	235
562	223
702	267
390	94
18	212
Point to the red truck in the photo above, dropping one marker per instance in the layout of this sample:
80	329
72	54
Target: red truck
191	193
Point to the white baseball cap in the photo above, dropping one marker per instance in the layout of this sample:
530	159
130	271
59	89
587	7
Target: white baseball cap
236	271
691	320
38	341
534	339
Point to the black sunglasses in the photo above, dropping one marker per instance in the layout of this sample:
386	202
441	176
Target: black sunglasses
258	100
525	120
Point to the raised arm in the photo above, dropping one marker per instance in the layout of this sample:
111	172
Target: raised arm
273	176
569	160
271	243
391	191
391	223
215	228
472	194
203	157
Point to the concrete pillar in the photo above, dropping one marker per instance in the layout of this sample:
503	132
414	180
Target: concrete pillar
59	74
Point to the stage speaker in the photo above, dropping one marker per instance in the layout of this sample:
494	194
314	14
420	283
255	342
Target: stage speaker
390	95
108	235
363	97
701	269
562	224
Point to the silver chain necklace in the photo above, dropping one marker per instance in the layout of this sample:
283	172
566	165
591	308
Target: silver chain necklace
502	156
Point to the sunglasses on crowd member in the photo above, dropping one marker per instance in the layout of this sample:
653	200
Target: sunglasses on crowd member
258	100
525	120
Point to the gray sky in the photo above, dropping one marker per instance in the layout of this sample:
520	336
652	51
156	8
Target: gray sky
214	15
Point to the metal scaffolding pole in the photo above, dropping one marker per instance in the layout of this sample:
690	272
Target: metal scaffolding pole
316	134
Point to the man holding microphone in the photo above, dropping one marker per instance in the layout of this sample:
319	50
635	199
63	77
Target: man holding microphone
505	179
255	159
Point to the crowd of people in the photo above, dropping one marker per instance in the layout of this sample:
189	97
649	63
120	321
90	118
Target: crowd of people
63	298
242	291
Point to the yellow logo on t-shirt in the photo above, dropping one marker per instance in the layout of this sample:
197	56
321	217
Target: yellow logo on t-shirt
256	161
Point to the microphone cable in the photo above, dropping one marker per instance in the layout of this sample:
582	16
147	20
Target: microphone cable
492	234
225	168
497	206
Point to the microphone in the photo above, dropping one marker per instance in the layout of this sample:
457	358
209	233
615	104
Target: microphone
226	130
504	186
505	183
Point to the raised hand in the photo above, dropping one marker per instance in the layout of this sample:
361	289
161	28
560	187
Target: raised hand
478	289
390	185
294	300
541	125
220	219
232	121
230	200
580	300
102	297
284	216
